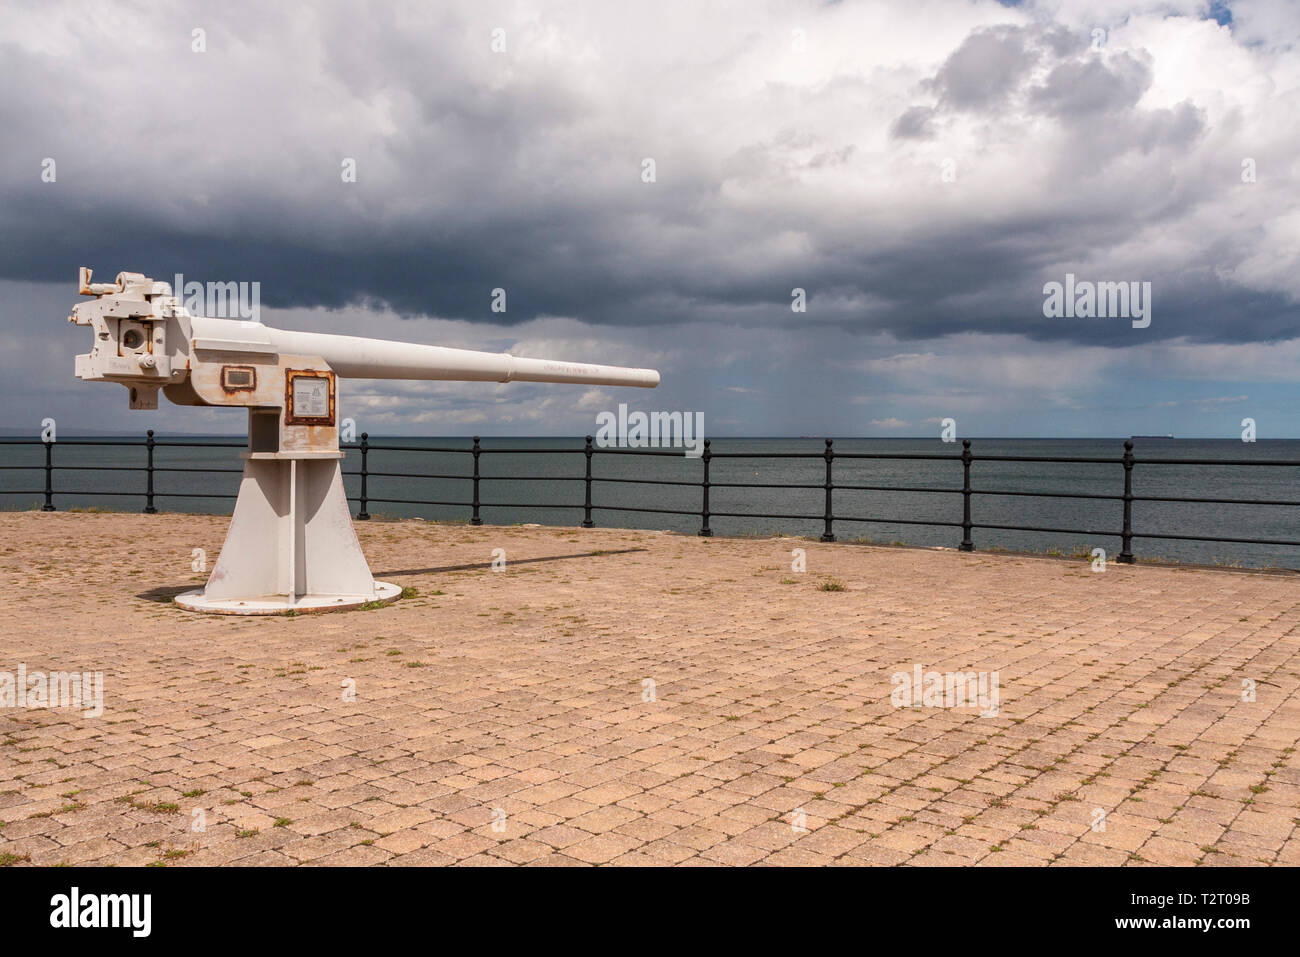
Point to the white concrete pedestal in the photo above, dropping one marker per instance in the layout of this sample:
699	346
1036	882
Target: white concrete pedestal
291	545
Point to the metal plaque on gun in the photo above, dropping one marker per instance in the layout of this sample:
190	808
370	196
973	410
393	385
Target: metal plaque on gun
310	398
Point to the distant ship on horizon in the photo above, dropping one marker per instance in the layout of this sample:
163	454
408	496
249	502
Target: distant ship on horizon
1150	436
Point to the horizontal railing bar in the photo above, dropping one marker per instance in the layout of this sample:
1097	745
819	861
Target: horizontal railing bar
408	501
1200	538
140	442
482	478
432	475
1056	531
751	455
64	491
598	450
370	446
801	518
1213	501
626	508
99	468
166	494
178	468
1043	458
528	505
488	450
946	456
628	481
890	488
894	521
1138	461
980	491
764	484
509	450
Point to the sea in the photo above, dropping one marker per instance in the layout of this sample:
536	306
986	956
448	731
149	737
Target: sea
540	481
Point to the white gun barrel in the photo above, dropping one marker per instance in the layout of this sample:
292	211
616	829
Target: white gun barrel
354	357
146	339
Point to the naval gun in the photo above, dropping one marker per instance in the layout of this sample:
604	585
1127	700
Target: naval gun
291	545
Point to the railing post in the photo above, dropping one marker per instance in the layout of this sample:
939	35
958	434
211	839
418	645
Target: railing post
966	544
704	510
49	478
586	521
828	535
148	444
477	452
1126	535
363	515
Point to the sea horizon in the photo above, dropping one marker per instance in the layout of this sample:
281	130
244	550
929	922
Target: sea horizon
161	434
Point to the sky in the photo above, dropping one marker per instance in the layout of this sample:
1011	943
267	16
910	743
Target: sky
922	170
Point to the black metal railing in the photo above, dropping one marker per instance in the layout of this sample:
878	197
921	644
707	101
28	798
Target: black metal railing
1127	461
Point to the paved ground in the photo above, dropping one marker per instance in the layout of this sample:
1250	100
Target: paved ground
507	717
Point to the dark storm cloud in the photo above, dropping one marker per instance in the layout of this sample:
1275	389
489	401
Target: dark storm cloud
522	170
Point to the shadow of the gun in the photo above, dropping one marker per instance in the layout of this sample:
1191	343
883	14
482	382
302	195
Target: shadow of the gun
165	594
513	561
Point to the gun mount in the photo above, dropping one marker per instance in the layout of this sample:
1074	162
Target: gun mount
291	544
